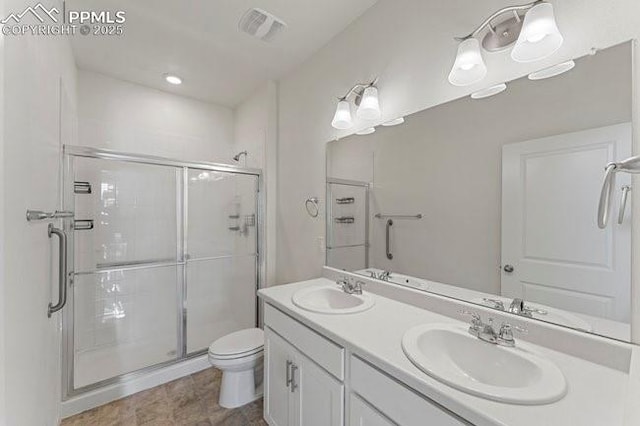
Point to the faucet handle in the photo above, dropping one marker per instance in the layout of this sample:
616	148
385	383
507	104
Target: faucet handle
475	318
533	310
505	335
496	304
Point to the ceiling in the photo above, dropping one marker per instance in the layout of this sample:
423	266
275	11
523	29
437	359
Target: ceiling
200	42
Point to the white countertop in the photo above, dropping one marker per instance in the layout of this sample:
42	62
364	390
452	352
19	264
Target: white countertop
597	395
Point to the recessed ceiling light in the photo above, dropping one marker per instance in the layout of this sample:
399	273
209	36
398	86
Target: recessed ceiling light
489	91
366	131
552	71
172	79
394	122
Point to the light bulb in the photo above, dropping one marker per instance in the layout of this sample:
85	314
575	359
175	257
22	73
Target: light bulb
469	67
539	36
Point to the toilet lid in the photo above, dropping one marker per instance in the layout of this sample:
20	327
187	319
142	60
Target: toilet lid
240	342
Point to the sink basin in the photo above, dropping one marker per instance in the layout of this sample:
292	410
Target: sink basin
451	355
553	315
331	300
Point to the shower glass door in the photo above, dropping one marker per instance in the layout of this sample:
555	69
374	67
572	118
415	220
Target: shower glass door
126	268
221	258
164	260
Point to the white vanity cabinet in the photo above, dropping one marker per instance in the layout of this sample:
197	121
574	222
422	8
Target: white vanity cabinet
298	391
304	384
362	414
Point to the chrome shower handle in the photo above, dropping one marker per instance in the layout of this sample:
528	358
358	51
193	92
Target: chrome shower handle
62	269
606	194
623	203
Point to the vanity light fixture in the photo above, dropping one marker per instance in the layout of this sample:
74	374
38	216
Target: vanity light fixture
342	119
366	101
366	131
469	66
552	71
394	122
172	79
489	91
369	108
539	36
532	27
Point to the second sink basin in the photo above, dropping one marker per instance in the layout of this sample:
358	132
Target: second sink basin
513	375
331	300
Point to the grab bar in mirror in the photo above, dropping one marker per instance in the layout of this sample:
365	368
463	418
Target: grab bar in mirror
35	215
387	238
398	216
62	269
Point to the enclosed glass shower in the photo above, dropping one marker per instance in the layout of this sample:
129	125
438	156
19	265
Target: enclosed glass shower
163	258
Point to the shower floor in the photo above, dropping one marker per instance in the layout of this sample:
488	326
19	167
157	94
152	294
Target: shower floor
191	400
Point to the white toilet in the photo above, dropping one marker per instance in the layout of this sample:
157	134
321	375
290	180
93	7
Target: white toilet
239	355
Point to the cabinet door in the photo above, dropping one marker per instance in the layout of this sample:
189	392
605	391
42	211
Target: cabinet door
320	400
278	398
361	414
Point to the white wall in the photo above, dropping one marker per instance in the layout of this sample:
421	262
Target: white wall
115	114
39	115
256	132
409	45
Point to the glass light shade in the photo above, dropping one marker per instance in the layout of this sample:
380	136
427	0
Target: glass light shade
342	119
369	108
539	36
469	66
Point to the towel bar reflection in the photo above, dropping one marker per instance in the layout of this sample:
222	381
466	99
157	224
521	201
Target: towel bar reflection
398	216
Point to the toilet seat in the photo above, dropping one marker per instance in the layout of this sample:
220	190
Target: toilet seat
236	345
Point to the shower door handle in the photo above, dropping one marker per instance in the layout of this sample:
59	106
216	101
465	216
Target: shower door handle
62	269
388	239
623	203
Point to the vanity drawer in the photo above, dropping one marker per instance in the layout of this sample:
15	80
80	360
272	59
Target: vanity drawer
396	401
323	351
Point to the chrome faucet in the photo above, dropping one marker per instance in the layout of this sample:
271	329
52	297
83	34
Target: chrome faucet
518	307
350	286
487	333
384	276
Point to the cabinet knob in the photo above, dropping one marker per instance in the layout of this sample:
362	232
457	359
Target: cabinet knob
508	269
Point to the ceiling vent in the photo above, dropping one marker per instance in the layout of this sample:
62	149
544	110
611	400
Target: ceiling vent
261	24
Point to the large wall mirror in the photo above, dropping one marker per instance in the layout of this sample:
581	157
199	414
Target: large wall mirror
495	200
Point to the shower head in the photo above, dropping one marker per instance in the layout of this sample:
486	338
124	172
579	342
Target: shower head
238	155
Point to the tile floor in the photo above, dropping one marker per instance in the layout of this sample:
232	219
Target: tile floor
191	400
